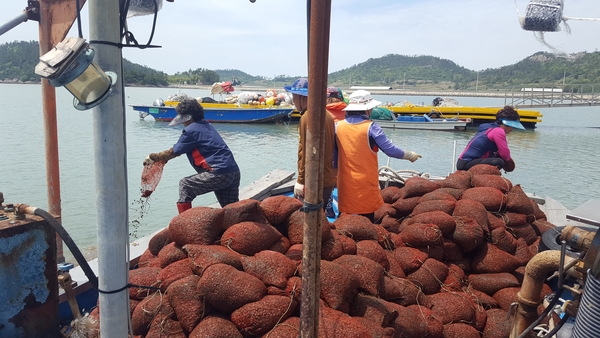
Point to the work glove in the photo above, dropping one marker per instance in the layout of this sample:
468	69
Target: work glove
298	190
411	156
148	161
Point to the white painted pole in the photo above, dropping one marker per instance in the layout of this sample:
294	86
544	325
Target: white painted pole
111	174
454	157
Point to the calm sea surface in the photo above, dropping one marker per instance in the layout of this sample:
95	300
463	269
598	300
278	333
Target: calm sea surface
559	159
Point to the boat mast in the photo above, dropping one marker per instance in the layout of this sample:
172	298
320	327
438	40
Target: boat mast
111	173
318	57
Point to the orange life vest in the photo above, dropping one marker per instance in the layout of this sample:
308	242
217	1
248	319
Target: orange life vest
358	169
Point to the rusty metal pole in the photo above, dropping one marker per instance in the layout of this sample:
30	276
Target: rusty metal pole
318	56
56	18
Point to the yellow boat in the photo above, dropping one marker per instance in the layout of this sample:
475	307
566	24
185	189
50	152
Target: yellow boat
478	115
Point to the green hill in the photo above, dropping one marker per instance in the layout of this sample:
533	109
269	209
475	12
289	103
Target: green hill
572	72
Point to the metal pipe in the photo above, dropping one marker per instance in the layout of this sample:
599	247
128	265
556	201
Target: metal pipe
111	174
529	297
14	22
587	322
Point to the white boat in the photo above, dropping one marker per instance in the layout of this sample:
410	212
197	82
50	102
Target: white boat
425	122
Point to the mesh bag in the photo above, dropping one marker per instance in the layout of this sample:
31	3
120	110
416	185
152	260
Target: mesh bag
143	7
543	16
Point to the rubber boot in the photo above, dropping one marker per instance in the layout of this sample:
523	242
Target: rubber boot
183	206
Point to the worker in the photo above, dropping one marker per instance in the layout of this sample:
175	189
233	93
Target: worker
216	168
489	145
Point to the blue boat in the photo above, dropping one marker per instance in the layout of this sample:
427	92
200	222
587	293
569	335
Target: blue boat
221	113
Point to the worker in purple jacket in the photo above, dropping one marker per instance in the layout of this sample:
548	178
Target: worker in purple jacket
489	145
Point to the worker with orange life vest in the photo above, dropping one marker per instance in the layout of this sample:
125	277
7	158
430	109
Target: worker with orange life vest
357	141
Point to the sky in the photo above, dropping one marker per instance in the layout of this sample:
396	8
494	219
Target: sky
268	37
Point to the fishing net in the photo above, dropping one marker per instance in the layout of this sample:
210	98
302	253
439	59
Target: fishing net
151	176
543	16
143	7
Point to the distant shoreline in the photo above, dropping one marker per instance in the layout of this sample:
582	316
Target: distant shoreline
436	93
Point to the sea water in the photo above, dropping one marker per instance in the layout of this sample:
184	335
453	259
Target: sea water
559	159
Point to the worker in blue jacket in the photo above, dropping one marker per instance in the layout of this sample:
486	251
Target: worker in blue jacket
216	168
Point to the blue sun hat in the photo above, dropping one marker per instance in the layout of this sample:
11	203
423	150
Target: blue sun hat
299	87
513	123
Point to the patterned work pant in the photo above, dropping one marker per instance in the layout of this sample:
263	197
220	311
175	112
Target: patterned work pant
225	186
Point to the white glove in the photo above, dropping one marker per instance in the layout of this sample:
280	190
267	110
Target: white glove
298	190
411	156
148	161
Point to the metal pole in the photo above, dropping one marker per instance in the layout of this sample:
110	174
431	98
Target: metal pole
111	174
55	19
13	23
317	76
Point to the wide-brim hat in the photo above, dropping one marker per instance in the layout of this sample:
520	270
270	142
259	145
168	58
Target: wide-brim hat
179	119
361	100
299	87
514	124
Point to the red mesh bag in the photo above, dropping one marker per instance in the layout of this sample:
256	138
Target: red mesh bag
368	272
227	294
429	276
475	210
451	307
485	169
518	201
170	253
488	180
490	283
496	324
215	326
143	277
295	227
460	330
444	222
247	210
401	291
278	208
200	225
467	234
405	206
151	175
446	206
460	179
260	317
174	272
203	256
422	235
504	240
490	259
417	186
373	251
492	199
271	267
187	302
410	258
248	238
338	285
159	240
144	312
390	194
288	328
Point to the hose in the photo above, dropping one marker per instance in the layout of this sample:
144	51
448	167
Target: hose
64	235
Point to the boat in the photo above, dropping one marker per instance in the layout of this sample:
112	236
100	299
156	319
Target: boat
425	122
478	115
221	112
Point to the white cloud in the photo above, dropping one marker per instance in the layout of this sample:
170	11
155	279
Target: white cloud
268	37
